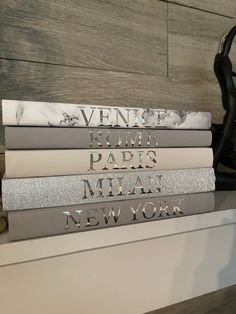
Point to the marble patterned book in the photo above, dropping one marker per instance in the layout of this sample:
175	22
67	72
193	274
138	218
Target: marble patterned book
39	192
66	138
33	223
29	113
37	163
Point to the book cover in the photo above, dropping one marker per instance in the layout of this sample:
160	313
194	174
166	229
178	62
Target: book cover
66	138
66	219
38	192
34	163
23	113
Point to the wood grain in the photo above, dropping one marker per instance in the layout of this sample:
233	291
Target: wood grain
220	302
42	82
193	41
122	35
227	8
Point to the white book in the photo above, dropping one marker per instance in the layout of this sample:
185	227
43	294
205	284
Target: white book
30	113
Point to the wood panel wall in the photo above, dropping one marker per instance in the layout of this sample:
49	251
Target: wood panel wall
117	52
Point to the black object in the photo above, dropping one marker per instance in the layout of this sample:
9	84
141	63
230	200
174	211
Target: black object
224	136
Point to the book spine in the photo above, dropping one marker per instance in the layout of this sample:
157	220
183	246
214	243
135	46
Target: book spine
78	115
34	163
60	220
41	192
54	138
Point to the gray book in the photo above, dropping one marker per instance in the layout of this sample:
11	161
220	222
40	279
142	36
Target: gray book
60	220
57	137
24	193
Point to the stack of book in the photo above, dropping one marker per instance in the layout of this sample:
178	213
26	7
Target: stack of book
79	167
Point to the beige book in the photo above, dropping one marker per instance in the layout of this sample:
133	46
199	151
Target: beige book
34	163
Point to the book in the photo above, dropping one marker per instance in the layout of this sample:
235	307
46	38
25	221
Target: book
34	163
38	192
52	138
23	113
66	219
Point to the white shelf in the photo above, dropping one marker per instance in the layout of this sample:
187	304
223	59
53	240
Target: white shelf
29	250
128	269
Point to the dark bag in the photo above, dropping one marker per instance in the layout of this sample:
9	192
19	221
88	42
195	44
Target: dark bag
224	135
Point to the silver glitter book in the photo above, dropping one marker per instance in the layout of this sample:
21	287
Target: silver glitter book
29	113
25	224
25	193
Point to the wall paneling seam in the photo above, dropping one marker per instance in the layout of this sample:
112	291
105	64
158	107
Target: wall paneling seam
80	67
195	8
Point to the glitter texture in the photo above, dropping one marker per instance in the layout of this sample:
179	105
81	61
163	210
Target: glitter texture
25	193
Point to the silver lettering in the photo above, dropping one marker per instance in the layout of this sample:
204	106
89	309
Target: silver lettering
69	216
138	186
110	186
120	139
92	220
126	158
132	141
120	187
150	139
102	116
108	139
151	158
110	161
155	185
176	208
148	117
136	122
163	209
140	159
112	213
97	191
135	212
87	120
153	208
97	140
120	114
93	160
160	117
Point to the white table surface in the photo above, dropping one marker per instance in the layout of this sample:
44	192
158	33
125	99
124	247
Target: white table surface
127	269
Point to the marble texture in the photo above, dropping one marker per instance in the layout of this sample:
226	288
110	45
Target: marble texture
27	113
42	192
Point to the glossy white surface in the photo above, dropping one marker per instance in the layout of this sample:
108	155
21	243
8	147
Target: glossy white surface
128	269
21	251
129	279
